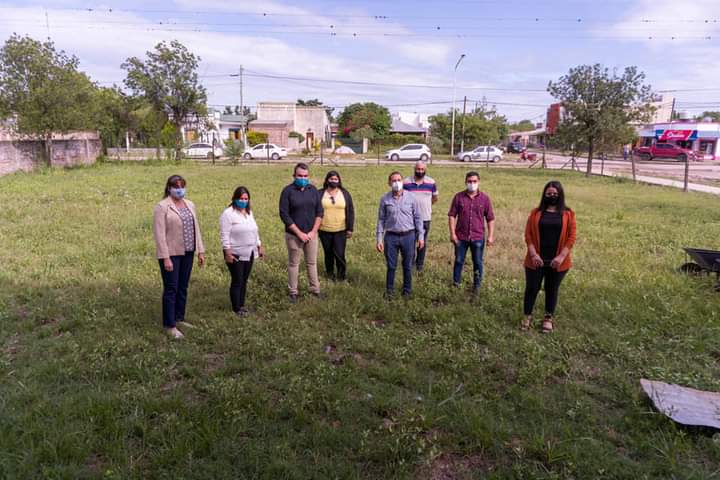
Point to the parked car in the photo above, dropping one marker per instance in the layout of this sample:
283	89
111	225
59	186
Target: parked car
664	150
515	147
482	154
266	150
411	151
203	150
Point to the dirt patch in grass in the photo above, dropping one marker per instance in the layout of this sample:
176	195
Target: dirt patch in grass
214	362
455	467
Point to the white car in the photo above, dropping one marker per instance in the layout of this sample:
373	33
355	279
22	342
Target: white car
411	151
481	154
266	150
204	150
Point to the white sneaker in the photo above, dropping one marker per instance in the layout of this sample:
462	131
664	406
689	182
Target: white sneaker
174	333
185	325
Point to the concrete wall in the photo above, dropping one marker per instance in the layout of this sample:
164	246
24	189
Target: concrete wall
19	153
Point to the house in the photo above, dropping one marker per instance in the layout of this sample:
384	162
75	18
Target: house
279	119
214	128
530	137
400	127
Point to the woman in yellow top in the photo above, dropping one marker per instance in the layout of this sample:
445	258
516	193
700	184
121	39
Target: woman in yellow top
337	224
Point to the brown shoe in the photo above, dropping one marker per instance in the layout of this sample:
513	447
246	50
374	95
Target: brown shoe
526	323
547	324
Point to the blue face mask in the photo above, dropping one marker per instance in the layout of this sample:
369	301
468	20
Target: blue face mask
177	193
302	182
240	203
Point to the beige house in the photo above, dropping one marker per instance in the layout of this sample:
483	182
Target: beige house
278	119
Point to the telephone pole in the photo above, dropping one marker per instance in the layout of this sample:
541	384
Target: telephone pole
242	106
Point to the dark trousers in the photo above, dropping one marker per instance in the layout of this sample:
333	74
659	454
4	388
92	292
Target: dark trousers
333	244
534	279
420	253
239	275
396	245
175	286
476	252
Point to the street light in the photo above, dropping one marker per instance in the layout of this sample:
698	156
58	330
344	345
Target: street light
452	135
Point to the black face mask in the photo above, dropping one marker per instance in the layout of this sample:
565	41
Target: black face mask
419	174
333	184
552	201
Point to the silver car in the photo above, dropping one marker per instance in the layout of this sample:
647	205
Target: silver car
486	153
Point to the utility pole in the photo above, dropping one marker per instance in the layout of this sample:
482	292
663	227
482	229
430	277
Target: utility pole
452	135
462	134
242	107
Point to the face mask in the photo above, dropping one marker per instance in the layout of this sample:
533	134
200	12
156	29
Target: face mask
333	184
177	193
397	186
552	200
472	187
419	174
240	203
302	182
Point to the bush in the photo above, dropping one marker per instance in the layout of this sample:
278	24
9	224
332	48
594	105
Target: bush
233	150
256	138
297	135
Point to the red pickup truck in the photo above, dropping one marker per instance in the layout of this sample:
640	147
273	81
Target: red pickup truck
664	150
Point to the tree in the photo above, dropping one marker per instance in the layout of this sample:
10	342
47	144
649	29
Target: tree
482	127
42	92
358	115
315	103
168	80
522	126
598	104
714	116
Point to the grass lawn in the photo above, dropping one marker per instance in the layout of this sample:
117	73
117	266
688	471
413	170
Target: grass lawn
351	386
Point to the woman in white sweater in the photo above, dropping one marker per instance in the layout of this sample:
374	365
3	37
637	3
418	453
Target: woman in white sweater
241	244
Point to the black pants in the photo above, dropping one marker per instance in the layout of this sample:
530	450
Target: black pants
175	288
534	279
333	244
420	252
239	274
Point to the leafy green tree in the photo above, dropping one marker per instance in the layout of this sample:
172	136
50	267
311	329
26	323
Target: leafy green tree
256	138
359	115
363	132
42	92
598	104
482	127
714	116
522	126
168	81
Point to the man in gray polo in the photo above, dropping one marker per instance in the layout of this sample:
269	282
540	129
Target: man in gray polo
426	192
399	228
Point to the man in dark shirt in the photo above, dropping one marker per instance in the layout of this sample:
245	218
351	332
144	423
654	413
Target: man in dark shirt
301	211
469	211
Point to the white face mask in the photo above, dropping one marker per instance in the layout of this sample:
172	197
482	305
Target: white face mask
472	187
397	186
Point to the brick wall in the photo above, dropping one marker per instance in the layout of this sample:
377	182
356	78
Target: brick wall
23	153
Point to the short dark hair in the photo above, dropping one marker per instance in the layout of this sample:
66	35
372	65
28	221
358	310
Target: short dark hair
561	196
301	166
472	174
332	173
172	182
237	194
394	173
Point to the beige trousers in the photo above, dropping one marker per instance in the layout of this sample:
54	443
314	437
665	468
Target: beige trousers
296	248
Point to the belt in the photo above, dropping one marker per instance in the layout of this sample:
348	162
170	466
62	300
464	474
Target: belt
401	234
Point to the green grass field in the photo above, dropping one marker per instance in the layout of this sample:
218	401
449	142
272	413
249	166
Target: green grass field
352	386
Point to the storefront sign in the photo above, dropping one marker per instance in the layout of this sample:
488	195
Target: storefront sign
676	135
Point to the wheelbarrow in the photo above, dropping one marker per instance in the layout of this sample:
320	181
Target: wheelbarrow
704	262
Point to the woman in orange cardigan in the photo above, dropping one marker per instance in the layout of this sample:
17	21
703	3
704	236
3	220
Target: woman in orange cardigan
550	236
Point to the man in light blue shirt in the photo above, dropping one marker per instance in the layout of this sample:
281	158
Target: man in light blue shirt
399	226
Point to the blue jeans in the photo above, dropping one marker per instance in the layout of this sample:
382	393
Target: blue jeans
394	245
420	254
476	250
175	286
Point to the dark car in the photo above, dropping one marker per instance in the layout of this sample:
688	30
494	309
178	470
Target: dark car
515	147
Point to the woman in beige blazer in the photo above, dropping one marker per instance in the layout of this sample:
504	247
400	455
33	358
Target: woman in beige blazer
177	239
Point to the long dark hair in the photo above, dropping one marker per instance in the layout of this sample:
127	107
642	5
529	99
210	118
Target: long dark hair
561	197
332	173
173	182
239	193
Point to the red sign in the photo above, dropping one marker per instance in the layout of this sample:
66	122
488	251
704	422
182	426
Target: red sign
676	135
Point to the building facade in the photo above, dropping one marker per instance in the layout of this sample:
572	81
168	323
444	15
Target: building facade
701	137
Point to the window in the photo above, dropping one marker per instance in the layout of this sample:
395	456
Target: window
259	147
707	147
480	150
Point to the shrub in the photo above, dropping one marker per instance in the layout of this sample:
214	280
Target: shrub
233	150
256	138
297	135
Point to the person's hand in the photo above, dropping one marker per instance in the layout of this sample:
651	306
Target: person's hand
491	241
201	259
168	265
311	234
229	257
454	239
555	263
261	251
537	260
304	237
380	247
421	244
348	234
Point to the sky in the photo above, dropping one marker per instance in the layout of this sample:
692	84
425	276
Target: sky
398	53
